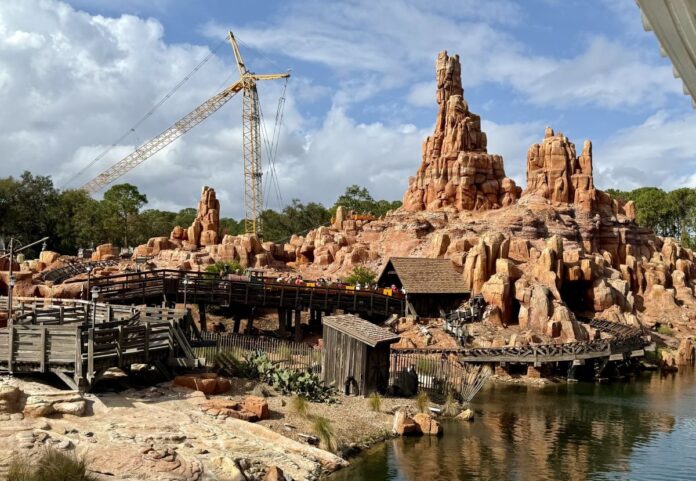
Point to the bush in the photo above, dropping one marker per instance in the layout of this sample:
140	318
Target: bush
363	275
375	402
52	466
325	432
299	406
422	401
665	330
288	381
451	407
221	266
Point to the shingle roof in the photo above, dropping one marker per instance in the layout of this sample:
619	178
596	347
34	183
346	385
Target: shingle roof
360	329
420	275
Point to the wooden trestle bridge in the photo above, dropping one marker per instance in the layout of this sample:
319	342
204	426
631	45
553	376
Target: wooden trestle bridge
79	340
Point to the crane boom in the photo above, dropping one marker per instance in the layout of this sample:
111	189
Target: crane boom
151	147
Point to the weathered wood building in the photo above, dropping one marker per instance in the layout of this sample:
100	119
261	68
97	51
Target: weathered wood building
431	285
356	354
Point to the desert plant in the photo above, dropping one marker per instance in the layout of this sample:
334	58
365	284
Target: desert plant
325	432
361	275
229	267
665	330
299	405
422	401
375	402
451	406
52	465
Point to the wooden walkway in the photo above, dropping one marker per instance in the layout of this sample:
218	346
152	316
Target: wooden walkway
626	342
79	343
73	269
169	285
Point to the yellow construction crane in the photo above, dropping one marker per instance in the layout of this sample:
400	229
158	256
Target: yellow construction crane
251	120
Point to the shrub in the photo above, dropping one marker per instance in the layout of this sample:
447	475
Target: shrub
325	432
299	405
52	466
665	330
451	407
363	275
375	402
288	381
422	401
221	266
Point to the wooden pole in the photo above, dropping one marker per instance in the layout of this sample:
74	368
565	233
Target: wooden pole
282	319
237	322
250	321
298	325
201	312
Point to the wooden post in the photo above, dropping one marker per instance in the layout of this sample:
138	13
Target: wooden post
201	312
10	347
42	348
288	319
237	322
119	350
90	355
146	348
298	325
281	321
250	321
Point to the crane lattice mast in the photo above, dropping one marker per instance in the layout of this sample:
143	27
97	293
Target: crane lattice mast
251	139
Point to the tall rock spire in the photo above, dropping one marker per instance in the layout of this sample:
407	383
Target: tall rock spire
456	171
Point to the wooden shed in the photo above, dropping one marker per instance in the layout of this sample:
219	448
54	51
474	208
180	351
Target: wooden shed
431	285
356	354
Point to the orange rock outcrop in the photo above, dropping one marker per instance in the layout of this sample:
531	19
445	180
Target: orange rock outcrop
457	171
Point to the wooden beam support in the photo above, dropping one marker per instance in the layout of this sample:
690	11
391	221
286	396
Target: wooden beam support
298	325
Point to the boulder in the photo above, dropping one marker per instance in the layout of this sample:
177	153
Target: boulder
427	424
256	405
403	425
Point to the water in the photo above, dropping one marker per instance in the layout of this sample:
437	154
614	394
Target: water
640	430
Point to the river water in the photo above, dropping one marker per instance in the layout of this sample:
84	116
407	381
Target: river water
644	429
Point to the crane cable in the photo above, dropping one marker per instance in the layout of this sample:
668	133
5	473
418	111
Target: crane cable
272	147
147	115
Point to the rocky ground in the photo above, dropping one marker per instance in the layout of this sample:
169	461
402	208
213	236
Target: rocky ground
164	432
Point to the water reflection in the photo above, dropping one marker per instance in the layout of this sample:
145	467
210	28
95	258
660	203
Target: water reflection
568	432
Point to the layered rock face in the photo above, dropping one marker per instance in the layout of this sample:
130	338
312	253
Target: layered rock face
456	170
556	173
204	231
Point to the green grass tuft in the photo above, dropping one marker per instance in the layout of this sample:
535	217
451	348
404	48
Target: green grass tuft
52	466
325	432
300	405
664	330
375	402
422	401
451	407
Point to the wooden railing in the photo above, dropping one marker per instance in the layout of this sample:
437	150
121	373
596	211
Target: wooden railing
197	287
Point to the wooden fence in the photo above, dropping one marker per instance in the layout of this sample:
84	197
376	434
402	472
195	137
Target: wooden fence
289	354
437	375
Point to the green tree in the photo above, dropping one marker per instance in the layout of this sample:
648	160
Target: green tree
297	218
123	203
79	221
359	200
362	275
185	217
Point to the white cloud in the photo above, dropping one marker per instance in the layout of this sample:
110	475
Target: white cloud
512	142
661	151
353	39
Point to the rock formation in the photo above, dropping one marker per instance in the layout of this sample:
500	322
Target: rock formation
456	170
205	229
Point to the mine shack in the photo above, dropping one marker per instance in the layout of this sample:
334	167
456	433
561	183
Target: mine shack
356	354
431	285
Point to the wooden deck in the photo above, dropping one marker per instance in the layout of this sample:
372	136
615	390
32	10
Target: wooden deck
78	343
168	285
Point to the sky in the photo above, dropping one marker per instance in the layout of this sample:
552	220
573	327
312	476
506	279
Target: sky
77	76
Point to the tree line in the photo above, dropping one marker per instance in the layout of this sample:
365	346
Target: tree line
31	207
668	213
